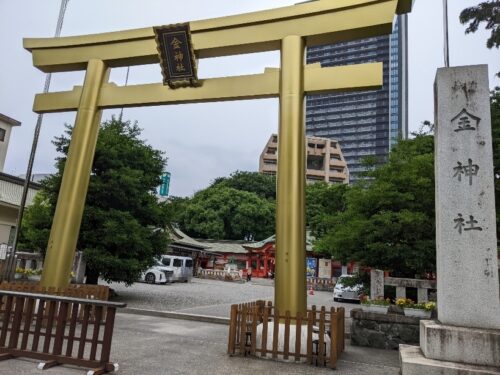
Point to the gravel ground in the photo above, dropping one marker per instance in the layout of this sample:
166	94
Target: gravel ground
207	297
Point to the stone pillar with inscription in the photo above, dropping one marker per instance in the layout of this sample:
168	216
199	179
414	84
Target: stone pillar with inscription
466	337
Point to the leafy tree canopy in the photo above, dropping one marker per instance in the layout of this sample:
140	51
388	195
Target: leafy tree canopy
322	200
488	12
254	182
37	219
222	212
118	235
389	219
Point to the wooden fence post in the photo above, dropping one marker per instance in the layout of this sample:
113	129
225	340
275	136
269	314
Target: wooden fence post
276	325
333	337
265	324
298	336
253	337
321	338
232	329
286	342
309	336
243	329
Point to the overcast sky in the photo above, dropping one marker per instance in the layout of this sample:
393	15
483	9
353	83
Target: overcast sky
201	141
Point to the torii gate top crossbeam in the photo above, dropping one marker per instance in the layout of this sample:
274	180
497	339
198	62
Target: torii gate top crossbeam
318	22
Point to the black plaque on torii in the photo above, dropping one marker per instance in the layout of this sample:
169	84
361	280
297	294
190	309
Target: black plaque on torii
177	58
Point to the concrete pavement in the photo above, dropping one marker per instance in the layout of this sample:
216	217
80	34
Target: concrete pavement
162	346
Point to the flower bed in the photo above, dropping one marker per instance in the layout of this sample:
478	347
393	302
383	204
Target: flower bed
420	310
378	305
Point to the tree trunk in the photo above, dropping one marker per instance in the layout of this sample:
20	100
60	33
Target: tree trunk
92	276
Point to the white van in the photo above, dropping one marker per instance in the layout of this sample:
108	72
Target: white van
181	266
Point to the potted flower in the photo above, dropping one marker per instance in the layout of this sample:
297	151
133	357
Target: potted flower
33	275
419	310
379	305
19	273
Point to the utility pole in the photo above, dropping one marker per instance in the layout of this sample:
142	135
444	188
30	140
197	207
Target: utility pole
446	39
29	171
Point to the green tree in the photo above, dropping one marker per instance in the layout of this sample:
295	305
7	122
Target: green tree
173	208
221	212
322	200
389	220
35	229
119	234
254	182
488	12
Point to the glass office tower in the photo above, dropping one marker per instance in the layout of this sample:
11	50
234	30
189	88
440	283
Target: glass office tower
366	123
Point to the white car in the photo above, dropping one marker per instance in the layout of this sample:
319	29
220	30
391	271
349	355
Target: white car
342	292
157	274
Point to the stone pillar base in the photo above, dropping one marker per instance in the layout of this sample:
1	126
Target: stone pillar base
474	346
413	362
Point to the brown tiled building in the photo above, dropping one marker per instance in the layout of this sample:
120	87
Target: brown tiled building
325	161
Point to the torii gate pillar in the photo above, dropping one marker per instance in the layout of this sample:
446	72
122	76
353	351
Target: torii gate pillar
290	282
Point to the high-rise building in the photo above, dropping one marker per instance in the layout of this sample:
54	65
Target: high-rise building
325	161
366	123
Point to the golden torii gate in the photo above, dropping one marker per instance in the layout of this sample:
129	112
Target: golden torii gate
288	29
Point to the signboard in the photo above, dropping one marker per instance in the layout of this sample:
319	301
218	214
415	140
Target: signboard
325	268
177	59
3	251
165	184
311	267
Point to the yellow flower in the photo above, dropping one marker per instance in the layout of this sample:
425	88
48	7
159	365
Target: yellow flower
429	306
401	301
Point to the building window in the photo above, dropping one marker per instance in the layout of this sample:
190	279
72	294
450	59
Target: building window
315	162
2	134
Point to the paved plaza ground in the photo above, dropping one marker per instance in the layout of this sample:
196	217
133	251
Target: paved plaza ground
208	297
144	344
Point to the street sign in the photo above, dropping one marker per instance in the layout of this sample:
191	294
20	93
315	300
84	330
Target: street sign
165	184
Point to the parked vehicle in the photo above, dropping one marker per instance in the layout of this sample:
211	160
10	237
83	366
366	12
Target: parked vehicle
343	289
182	267
157	274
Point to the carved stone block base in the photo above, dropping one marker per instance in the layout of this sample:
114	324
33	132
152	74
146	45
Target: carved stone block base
475	346
413	362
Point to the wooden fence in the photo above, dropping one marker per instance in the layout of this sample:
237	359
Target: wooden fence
93	292
319	335
320	284
100	292
48	328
